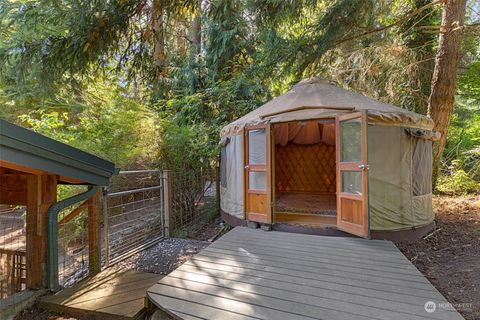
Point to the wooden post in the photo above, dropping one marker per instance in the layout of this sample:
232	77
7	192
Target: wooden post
94	253
167	201
41	194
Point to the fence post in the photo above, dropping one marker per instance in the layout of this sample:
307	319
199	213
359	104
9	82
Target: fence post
167	201
106	240
94	255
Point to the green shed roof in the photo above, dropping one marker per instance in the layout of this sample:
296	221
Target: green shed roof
26	148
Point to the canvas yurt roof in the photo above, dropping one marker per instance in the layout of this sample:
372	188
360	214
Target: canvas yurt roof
317	98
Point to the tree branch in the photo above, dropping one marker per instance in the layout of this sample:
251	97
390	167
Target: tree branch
396	23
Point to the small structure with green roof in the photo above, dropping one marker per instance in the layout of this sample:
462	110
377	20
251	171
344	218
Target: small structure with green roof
31	167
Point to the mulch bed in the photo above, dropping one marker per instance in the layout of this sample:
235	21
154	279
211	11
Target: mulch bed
450	256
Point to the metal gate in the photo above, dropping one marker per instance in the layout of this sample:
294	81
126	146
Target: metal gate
132	214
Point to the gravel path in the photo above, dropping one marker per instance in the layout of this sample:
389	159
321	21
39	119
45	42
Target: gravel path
165	256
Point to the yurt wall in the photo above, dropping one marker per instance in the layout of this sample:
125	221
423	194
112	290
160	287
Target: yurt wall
399	179
231	173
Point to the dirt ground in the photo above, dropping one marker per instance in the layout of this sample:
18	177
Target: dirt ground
209	231
450	256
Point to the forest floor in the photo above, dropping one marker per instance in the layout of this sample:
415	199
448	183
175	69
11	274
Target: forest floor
450	256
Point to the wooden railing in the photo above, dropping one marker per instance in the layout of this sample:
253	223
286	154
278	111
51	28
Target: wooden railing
13	272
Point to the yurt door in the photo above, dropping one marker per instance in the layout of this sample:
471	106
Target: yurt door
351	153
257	174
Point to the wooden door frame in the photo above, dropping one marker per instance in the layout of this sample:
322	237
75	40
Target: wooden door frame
364	230
267	169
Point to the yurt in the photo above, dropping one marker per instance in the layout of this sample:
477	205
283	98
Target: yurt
322	159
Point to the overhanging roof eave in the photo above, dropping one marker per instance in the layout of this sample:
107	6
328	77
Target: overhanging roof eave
27	148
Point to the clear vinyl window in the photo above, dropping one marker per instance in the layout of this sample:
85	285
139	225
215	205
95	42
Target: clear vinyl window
257	180
257	146
352	182
223	166
351	140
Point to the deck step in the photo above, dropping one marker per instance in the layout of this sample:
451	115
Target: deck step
112	294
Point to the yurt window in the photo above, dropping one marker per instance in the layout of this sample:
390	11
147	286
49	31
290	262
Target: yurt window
257	180
256	146
223	166
351	137
352	182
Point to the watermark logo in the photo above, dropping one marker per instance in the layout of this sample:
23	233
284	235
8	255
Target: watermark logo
430	306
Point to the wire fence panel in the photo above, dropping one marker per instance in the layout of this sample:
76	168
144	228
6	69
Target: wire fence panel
133	213
12	250
73	247
194	197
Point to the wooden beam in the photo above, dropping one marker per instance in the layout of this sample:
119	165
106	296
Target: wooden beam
69	180
94	253
13	189
13	166
41	194
75	212
8	166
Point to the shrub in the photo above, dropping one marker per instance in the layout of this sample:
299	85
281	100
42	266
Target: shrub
458	181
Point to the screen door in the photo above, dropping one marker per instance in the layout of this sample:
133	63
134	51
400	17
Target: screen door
352	170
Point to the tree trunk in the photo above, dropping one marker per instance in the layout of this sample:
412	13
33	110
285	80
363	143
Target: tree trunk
159	56
194	32
440	104
181	32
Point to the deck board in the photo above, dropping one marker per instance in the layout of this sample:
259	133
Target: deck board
321	258
252	274
298	303
307	278
314	273
289	259
111	294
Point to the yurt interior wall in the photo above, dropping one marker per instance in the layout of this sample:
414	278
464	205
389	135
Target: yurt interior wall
305	172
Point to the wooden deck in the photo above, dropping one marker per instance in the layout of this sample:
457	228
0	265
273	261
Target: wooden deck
253	274
112	294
